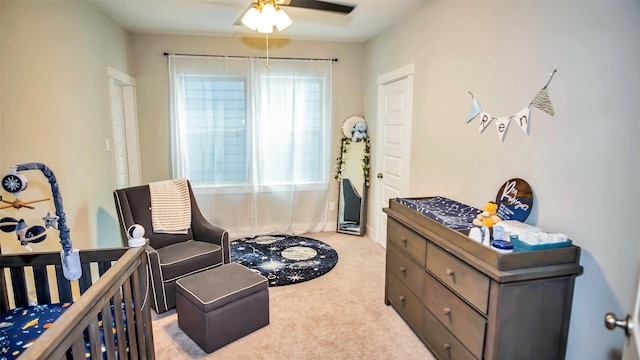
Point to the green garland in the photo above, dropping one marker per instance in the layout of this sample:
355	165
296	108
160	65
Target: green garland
344	145
366	157
365	161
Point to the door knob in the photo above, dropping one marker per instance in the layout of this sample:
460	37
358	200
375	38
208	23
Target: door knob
611	322
379	176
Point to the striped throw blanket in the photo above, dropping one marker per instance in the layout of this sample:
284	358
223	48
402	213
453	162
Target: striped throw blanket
170	206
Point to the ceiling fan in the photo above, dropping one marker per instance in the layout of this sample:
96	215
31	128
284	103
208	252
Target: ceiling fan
304	4
317	5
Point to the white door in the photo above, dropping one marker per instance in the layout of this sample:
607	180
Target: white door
124	128
630	324
631	349
395	109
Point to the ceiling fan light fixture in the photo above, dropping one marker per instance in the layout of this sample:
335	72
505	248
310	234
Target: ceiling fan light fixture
282	20
268	13
264	15
252	18
265	28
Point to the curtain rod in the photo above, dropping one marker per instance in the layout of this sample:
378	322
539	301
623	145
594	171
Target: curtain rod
247	57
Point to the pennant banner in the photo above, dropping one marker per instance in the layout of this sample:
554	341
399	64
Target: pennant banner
475	110
541	101
485	119
522	118
501	125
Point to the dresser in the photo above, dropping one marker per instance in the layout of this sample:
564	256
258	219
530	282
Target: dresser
465	300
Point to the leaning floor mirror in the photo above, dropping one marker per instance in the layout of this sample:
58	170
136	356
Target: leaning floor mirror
353	183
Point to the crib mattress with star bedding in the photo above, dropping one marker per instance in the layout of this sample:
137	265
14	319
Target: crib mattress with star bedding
450	213
109	304
21	327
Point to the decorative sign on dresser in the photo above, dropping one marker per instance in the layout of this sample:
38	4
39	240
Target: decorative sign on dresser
465	300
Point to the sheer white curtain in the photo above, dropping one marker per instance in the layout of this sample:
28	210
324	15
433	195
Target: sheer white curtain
254	143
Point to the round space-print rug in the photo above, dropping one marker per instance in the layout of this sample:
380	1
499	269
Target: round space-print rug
284	259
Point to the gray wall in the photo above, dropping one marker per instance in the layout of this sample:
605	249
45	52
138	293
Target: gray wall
55	103
55	110
582	163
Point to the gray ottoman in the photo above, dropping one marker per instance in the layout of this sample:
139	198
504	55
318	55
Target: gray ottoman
220	305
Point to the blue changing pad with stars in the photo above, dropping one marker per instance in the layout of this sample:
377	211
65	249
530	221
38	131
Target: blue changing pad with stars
22	326
448	212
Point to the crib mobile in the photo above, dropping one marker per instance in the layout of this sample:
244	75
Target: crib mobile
15	183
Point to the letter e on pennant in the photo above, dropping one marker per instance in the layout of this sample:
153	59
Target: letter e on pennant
502	124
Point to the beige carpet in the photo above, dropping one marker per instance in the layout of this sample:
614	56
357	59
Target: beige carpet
340	315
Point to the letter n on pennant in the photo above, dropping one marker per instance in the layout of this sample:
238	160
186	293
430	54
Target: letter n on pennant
522	118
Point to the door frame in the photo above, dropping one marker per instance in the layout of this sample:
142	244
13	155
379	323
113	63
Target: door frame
631	349
407	72
128	84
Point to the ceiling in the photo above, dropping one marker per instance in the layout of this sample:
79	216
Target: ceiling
217	17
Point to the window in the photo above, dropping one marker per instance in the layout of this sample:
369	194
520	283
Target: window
280	166
236	125
215	124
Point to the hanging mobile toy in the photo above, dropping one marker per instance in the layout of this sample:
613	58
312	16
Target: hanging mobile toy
15	183
26	234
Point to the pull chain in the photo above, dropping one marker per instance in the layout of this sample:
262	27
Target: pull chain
268	66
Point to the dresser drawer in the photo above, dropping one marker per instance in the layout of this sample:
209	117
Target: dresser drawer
442	342
407	240
405	269
463	279
456	315
406	303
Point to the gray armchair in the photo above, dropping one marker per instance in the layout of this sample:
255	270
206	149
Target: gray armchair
171	256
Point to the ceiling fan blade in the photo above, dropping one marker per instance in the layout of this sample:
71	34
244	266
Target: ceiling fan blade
305	4
318	5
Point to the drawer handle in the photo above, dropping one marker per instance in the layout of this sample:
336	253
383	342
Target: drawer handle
401	298
446	311
403	269
450	272
446	347
404	241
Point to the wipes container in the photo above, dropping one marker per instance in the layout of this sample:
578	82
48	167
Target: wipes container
502	246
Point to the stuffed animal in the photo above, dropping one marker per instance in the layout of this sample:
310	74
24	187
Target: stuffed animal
488	216
359	131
